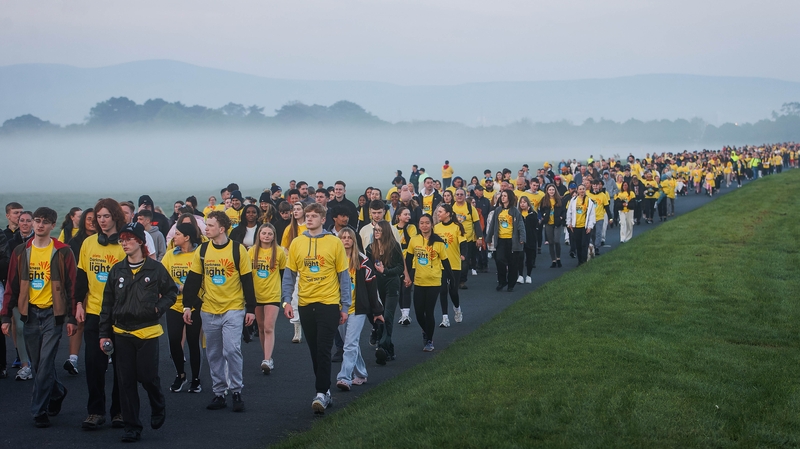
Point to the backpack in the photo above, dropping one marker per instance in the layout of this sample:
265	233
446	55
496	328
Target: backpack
204	248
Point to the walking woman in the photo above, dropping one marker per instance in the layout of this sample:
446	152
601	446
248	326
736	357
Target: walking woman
624	202
406	230
364	301
553	212
178	261
387	257
245	233
139	291
531	219
85	229
580	221
269	260
453	234
71	225
426	265
507	234
296	227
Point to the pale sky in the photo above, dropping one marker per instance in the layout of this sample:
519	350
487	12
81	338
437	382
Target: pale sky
414	42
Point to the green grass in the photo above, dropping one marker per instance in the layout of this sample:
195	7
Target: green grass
685	337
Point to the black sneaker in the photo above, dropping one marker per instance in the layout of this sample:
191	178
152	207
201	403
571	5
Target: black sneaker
54	406
500	287
117	422
71	368
131	436
558	263
41	421
157	419
180	382
238	403
553	265
381	356
218	403
3	373
93	422
195	387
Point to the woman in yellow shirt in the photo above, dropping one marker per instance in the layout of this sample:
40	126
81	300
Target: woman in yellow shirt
426	264
268	260
624	203
71	224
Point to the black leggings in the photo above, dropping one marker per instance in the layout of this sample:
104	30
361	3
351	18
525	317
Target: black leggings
530	261
449	284
175	326
424	306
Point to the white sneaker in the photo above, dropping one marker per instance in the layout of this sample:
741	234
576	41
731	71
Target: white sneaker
445	322
24	373
528	280
267	366
459	316
520	280
474	273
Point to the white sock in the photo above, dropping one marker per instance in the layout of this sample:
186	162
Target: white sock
444	316
457	309
73	358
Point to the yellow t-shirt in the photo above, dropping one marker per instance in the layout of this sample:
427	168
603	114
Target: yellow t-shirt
301	228
208	209
178	265
427	261
72	234
581	207
406	234
447	171
235	216
601	201
626	198
267	282
536	199
526	194
317	262
427	204
452	239
551	220
221	283
467	220
505	225
41	293
655	188
96	261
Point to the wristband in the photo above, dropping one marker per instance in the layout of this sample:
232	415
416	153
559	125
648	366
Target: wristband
186	309
285	304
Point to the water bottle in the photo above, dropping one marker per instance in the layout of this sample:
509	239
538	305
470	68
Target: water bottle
108	348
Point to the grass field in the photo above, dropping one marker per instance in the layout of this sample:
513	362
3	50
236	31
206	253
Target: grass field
685	337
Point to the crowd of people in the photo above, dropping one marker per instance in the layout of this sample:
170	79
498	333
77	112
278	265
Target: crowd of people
222	273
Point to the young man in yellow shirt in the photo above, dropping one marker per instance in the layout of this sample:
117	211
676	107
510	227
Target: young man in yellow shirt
318	262
41	285
229	301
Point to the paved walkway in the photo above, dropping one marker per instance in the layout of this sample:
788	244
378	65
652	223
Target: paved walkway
278	404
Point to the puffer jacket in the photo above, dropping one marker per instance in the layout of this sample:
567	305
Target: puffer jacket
135	302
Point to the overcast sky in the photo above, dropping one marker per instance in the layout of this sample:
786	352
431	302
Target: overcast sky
414	41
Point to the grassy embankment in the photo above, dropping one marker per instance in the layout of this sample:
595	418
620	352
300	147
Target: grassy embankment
685	337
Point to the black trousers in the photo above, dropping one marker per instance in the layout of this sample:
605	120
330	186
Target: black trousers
96	364
424	306
175	326
506	262
137	362
320	323
450	285
649	207
580	240
529	254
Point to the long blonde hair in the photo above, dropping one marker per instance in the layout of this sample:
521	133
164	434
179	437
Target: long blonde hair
354	259
294	229
273	247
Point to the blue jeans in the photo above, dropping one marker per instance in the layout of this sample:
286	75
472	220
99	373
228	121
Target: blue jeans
42	336
352	363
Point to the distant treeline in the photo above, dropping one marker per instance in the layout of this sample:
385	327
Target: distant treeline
121	112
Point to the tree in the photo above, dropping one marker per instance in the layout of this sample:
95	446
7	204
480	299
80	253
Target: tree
26	122
114	111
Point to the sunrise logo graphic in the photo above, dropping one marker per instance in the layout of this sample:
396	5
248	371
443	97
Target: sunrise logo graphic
44	269
321	260
228	266
111	259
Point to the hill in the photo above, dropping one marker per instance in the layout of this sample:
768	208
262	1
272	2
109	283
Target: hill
63	94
